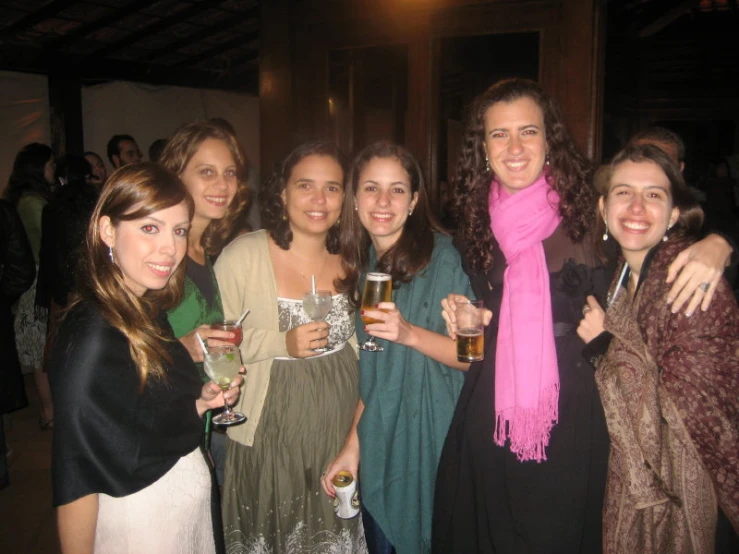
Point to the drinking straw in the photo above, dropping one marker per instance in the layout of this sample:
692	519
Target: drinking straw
202	344
246	313
313	284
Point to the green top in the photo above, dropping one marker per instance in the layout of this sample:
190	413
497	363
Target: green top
193	312
30	208
409	401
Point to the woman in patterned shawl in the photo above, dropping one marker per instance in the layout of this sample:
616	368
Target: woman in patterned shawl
668	382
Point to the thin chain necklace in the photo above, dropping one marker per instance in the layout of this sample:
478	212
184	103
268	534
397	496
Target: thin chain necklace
302	275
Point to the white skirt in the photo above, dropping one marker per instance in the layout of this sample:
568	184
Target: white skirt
169	516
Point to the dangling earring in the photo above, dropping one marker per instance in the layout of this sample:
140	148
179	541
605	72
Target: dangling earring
605	235
110	253
546	160
337	222
487	164
664	239
410	211
284	216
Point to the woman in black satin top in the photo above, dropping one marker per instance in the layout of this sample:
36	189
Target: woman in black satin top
128	474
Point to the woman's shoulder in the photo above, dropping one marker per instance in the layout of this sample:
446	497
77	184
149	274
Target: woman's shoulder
248	244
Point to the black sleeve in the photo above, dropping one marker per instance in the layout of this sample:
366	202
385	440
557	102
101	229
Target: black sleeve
110	436
725	225
17	266
593	350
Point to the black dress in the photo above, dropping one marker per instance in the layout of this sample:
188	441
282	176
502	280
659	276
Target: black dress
488	501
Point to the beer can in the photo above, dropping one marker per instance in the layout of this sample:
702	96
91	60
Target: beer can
346	503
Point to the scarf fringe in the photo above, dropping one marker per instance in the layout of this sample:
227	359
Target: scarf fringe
528	429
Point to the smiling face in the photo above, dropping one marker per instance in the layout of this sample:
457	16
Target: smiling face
383	199
515	142
638	209
313	195
149	249
211	178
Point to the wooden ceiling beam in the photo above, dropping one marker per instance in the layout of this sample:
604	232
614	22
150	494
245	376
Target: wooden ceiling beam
46	12
216	50
99	23
164	23
228	23
91	69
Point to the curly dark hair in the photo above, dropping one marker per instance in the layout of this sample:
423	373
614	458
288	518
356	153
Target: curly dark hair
271	207
177	154
412	251
569	173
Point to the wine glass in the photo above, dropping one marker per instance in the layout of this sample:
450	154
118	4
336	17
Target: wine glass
222	364
377	288
229	325
317	305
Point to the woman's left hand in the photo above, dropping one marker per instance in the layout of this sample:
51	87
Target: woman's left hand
591	324
696	273
394	327
211	395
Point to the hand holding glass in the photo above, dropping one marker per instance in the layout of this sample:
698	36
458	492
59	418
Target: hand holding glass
377	288
230	326
222	364
317	305
470	337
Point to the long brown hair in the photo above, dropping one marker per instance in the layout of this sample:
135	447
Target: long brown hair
411	252
569	173
132	192
177	154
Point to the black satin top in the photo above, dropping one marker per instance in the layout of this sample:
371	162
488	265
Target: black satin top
109	437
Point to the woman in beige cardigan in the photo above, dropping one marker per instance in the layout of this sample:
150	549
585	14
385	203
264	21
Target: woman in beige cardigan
299	403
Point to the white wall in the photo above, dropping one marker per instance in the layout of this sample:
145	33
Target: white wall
149	112
24	116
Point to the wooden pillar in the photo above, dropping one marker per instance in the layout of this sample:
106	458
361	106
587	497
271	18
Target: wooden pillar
65	109
275	83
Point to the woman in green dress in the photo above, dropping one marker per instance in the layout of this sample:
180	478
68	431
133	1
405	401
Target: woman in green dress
208	159
409	390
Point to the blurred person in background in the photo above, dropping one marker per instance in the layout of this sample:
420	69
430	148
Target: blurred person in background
123	150
29	190
17	272
99	173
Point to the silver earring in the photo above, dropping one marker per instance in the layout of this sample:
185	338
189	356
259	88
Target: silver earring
110	253
664	239
410	211
487	164
546	160
605	235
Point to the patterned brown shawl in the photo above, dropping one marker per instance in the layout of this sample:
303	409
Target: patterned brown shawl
669	389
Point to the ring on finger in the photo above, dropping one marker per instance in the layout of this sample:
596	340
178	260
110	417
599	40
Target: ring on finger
704	286
586	309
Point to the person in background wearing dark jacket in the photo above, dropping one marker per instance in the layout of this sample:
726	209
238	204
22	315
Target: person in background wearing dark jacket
17	272
30	190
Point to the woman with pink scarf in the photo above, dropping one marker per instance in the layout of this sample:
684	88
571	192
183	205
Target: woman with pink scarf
523	468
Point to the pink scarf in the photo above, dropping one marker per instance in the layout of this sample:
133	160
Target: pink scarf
526	372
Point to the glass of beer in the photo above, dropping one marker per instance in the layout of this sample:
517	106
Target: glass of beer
377	288
470	338
222	364
229	325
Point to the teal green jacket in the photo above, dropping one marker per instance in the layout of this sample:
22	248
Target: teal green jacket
409	400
